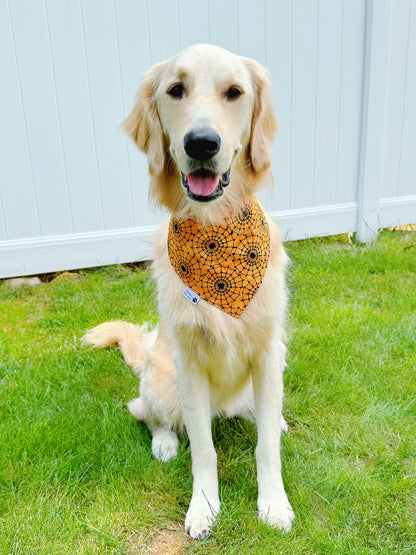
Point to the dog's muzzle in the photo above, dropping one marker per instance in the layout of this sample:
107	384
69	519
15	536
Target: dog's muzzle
201	144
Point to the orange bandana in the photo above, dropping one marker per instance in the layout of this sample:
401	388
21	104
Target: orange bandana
223	264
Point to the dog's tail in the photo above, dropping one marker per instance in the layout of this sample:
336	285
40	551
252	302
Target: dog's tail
131	340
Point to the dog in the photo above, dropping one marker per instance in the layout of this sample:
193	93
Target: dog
205	120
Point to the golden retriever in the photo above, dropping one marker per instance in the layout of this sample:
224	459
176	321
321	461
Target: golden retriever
205	120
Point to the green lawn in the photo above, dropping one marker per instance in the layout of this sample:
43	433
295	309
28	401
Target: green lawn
76	471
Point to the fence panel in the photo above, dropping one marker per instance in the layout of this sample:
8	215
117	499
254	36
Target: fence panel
73	189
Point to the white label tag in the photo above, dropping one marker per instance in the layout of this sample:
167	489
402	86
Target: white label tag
191	296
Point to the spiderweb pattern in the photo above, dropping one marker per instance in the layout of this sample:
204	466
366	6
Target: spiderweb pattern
223	264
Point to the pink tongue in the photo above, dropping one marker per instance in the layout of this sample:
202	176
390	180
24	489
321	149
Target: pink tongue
202	186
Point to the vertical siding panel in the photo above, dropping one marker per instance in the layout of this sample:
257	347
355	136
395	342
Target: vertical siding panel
33	59
350	100
251	25
129	190
329	50
223	24
65	191
3	231
303	117
19	207
71	84
396	79
163	29
107	112
99	203
279	62
134	50
407	168
193	22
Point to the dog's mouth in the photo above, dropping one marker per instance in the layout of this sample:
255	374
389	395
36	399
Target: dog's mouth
203	185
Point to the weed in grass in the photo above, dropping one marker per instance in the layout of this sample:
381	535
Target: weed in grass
76	471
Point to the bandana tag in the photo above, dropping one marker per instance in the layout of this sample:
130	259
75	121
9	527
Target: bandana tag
191	296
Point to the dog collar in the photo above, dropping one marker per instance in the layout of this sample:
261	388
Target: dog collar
224	264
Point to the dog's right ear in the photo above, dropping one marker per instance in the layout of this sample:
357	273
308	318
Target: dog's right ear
143	124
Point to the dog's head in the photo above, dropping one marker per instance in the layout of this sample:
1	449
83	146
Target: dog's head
205	120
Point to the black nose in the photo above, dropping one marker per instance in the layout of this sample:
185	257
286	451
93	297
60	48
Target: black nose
202	144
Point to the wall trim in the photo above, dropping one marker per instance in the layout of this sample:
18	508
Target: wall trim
38	255
317	221
84	250
79	250
397	211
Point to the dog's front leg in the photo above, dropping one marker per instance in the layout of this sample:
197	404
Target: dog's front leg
273	504
195	398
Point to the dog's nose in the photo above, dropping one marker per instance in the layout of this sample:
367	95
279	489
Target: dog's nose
202	144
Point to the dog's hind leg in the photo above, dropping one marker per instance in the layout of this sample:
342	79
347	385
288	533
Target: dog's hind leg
137	408
164	440
164	444
149	355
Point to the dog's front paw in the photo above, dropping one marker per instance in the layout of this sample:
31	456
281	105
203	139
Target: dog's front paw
201	516
277	513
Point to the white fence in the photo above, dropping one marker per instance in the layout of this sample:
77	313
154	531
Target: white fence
73	190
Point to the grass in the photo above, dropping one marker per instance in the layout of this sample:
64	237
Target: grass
77	474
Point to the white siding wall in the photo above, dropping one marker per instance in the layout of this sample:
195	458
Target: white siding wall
73	190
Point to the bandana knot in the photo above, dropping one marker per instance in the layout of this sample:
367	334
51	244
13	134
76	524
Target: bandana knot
224	264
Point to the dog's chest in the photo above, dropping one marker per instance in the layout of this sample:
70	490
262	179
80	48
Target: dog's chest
224	264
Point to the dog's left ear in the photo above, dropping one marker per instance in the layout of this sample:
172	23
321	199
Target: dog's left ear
264	124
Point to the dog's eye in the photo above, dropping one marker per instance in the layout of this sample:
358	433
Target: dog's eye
233	93
176	91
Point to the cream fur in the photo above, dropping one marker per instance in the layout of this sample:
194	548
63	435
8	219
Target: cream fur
202	362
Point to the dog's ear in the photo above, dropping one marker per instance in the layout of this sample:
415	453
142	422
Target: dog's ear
264	124
143	123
